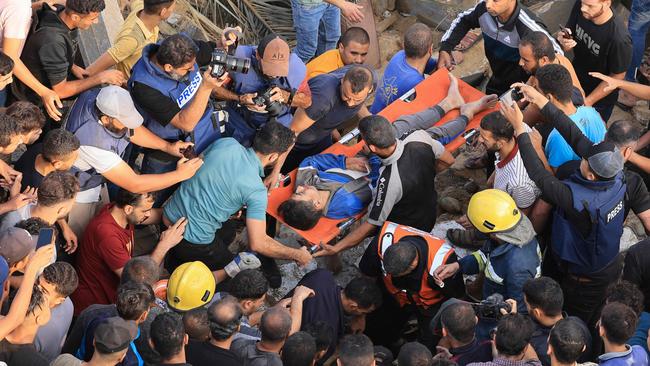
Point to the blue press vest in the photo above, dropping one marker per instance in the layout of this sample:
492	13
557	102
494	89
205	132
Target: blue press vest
206	130
254	82
83	122
605	203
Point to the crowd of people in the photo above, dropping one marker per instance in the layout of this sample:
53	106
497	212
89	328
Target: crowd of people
187	138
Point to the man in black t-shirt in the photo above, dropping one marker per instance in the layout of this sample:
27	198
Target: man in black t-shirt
637	262
52	47
24	353
600	42
58	152
224	318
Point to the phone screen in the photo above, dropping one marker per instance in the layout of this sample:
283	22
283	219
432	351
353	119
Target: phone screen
44	237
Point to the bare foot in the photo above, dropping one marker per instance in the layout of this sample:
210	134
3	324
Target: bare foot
472	108
453	99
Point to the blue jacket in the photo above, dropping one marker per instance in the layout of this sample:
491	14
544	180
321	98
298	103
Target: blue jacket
243	122
349	196
507	267
83	122
206	130
635	355
604	201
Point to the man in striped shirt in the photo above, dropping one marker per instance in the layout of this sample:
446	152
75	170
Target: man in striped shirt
497	136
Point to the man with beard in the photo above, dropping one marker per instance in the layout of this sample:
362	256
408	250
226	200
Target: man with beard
503	23
497	136
108	244
600	43
105	121
536	50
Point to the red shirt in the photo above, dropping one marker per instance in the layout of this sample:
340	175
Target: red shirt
105	247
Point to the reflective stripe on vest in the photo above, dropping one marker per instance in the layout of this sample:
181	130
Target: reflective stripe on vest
438	253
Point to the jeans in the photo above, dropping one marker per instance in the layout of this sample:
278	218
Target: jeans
318	28
153	163
638	25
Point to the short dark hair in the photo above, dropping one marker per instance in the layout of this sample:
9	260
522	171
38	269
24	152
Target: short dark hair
57	187
627	293
622	133
37	300
299	350
556	80
414	354
273	138
540	44
322	332
196	323
355	34
545	294
58	144
249	284
568	340
154	7
6	64
8	128
176	50
302	215
224	318
399	256
33	225
418	40
498	126
514	331
356	350
619	322
125	198
359	77
63	276
377	131
167	335
364	291
84	7
133	299
275	324
142	269
460	321
28	116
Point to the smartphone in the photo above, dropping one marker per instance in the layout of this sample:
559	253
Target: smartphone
44	237
470	136
511	96
566	32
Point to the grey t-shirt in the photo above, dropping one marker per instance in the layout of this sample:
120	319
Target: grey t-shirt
66	359
50	337
250	355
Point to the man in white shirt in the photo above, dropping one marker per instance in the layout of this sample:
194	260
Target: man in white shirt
106	121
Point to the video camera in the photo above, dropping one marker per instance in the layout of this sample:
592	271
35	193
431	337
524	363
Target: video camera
222	62
490	308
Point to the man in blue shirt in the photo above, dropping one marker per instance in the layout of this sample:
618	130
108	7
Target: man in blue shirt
407	68
336	97
230	181
274	68
555	81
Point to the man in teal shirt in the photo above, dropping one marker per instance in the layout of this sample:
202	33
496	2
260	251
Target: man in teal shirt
230	180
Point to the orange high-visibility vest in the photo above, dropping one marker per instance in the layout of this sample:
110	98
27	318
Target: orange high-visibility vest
439	252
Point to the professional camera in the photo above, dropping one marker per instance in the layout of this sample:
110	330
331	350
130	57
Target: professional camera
222	62
264	100
490	308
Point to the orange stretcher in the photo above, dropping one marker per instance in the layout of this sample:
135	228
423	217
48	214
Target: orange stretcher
425	95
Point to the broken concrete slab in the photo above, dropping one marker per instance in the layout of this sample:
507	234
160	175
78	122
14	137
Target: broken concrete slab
100	37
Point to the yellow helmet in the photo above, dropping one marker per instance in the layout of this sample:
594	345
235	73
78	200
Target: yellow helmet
191	285
493	211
